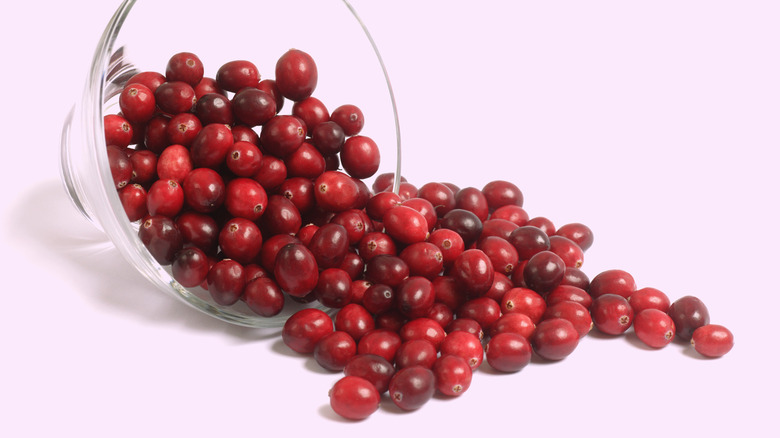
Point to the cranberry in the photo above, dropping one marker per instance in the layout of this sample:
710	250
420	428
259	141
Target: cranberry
182	129
649	298
499	193
296	75
253	271
245	197
150	79
243	159
240	239
484	310
612	281
226	282
526	301
272	172
405	224
473	200
300	191
466	325
358	287
654	327
207	86
425	208
144	163
269	86
508	352
306	162
391	320
280	217
271	248
575	313
518	323
185	67
407	191
161	238
263	296
411	387
282	135
328	137
423	328
453	375
385	181
578	233
611	314
497	227
117	130
355	222
156	134
528	241
174	163
334	350
355	320
512	213
295	270
165	198
465	345
333	288
424	259
200	230
335	191
441	313
382	342
204	190
567	250
688	314
133	199
712	340
473	271
387	269
253	107
439	195
447	292
463	222
414	296
190	267
543	224
544	271
175	97
576	277
214	108
501	284
449	242
121	166
378	298
350	118
375	243
503	256
137	103
565	292
373	368
416	352
354	398
304	328
554	339
211	145
329	245
235	75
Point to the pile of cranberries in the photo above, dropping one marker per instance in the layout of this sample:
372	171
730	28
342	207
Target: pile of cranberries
425	284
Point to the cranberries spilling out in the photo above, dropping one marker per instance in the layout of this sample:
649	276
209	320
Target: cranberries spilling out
424	286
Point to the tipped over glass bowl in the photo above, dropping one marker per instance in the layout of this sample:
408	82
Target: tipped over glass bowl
143	35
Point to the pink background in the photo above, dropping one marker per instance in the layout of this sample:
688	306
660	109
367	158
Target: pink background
655	123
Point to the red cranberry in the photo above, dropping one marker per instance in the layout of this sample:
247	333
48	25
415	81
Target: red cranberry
165	198
335	191
441	313
117	130
182	129
439	195
449	242
245	197
253	107
304	328
447	292
416	352
355	221
424	259
500	193
333	288
578	233
453	375
463	222
263	296
387	269
226	282
576	277
654	327
350	118
328	137
133	199
334	350
518	323
375	243
312	111
240	239
378	298
466	325
528	241
649	298
282	135
144	163
137	103
296	75
190	267
512	213
235	75
185	67
423	328
554	339
354	398
497	227
473	200
272	172
245	133
425	208
567	250
486	311
524	301
508	352
355	267
391	320
355	320
271	248
688	314
295	270
612	281
565	292
375	369
269	86
712	340
575	313
207	86
210	146
200	230
382	342
465	345
280	217
329	245
385	181
204	190
214	108
501	253
175	97
414	296
156	134
161	238
174	163
611	314
473	271
543	224
150	79
412	387
243	159
305	162
360	156
405	224
121	166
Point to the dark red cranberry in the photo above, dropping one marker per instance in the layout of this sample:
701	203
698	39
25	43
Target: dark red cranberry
554	339
473	271
329	245
453	375
226	282
576	277
280	217
376	243
373	368
499	193
381	342
649	298
328	137
253	271
423	259
204	190
334	350
528	241
333	288
243	159
466	325
611	314
612	281
296	270
165	198
117	130
185	67
312	111
300	191
359	286
335	191
350	118
133	199
282	135
380	203
501	284
567	250
439	195
517	275
512	213
463	344
405	224
544	271
518	323
378	298
414	296
576	313
355	320
441	313
501	253
688	314
712	340
121	166
391	320
565	292
448	292
271	248
144	164
210	146
386	269
272	172
415	352
200	230
526	301
253	107
410	388
463	222
137	103
183	128
355	222
486	311
449	242
296	75
577	233
423	328
508	352
354	398
304	328
245	197
654	328
240	239
269	86
174	163
263	296
245	133
175	97
156	134
150	79
214	108
190	267
235	75
473	200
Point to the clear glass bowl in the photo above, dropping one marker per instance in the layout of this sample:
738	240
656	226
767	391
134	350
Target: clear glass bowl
143	34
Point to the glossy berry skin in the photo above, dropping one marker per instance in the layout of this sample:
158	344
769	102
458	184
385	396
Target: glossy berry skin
165	198
518	323
245	198
649	298
354	398
654	328
333	288
226	282
374	244
133	199
508	352
329	245
473	200
499	193
161	238
296	75
235	75
555	339
334	350
612	281
412	387
204	190
350	118
449	242
183	128
253	107
304	328
380	341
240	239
378	298
214	108
612	314
185	67
712	340
528	241
263	296
502	254
295	269
423	328
416	352
282	135
439	195
566	292
137	103
543	224
486	311
175	97
117	130
405	224
544	271
373	368
121	166
414	296
688	314
328	137
577	233
335	191
360	156
525	301
424	259
512	213
473	271
465	345
174	163
463	222
190	267
571	254
453	375
355	320
209	148
575	313
243	159
200	230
